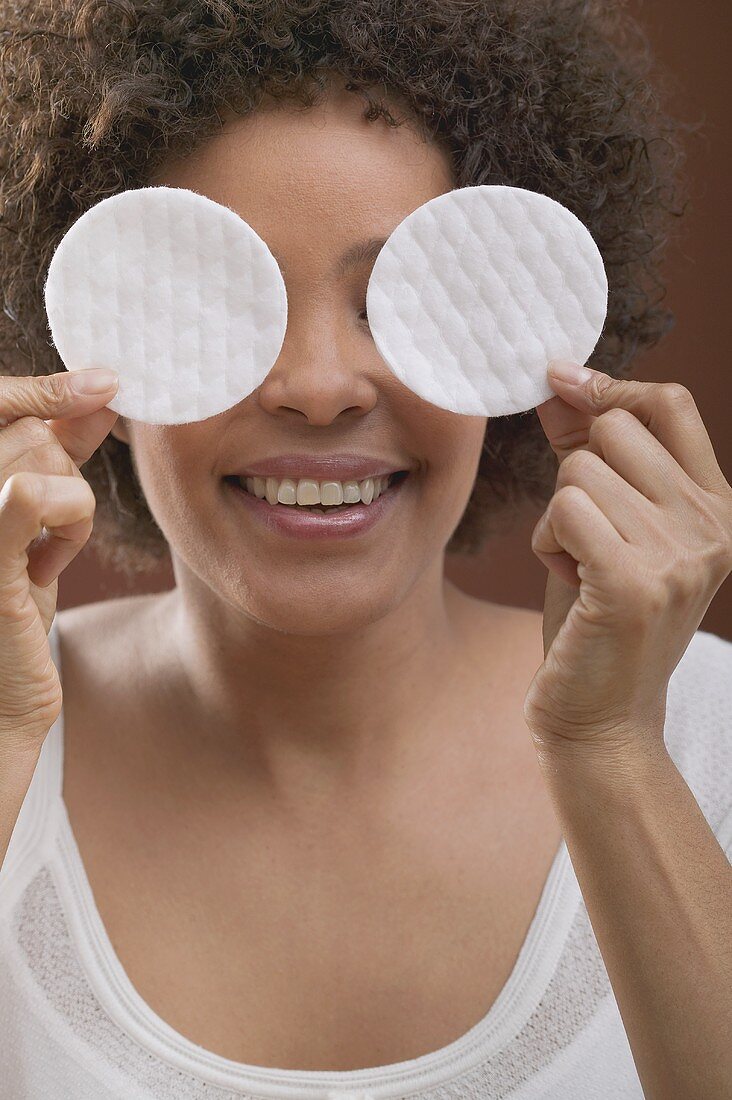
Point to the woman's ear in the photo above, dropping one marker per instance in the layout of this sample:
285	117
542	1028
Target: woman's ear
119	430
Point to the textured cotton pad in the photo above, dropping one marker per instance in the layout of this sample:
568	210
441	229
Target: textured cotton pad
476	290
176	293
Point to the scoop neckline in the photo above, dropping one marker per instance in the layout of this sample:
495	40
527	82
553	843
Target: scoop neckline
517	999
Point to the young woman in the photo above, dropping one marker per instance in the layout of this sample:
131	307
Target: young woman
315	822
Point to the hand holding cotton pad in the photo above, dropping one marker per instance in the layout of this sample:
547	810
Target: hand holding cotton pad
477	290
471	296
176	293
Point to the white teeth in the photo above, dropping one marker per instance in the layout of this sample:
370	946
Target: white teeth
351	492
331	492
271	489
309	491
287	491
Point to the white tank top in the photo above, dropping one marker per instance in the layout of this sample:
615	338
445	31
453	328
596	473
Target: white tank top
72	1026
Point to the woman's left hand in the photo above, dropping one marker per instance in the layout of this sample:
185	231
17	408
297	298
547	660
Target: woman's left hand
637	539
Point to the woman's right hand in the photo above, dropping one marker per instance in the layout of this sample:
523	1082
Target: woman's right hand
47	431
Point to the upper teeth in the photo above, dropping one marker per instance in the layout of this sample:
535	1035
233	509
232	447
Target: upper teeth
308	491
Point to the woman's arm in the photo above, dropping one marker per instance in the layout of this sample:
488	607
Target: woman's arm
16	771
658	891
637	540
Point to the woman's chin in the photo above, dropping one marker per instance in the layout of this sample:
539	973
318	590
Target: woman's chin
318	615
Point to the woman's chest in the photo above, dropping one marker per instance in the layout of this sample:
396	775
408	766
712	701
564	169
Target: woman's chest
339	942
337	931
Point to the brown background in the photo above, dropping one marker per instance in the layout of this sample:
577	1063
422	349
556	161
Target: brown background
691	42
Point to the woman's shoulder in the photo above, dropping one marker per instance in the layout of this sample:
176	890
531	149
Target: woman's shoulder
700	689
698	729
103	618
698	726
109	662
104	642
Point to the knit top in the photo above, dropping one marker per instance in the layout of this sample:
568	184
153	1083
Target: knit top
73	1026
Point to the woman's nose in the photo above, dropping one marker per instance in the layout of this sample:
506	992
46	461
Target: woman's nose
325	368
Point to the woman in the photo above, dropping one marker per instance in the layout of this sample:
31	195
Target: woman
296	825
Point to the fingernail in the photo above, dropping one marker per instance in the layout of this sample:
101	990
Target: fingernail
566	371
94	380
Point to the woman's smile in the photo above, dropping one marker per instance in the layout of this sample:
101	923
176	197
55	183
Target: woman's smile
316	521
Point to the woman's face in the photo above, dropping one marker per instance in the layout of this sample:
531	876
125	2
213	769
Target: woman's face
313	184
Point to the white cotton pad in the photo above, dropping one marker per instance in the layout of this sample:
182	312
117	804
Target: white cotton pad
476	290
176	293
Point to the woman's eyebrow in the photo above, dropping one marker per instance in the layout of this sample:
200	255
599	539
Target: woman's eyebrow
357	254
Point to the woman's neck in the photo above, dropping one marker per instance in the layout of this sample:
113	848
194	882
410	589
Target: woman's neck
347	704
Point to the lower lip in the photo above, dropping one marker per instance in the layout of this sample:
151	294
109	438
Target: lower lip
289	519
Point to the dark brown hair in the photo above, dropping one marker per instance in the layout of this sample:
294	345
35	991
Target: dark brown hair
551	95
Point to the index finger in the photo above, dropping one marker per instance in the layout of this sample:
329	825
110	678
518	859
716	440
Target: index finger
55	395
667	409
81	435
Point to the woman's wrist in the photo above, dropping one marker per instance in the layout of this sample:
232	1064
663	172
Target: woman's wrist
627	764
17	766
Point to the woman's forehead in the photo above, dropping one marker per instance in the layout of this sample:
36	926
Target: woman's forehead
321	186
321	175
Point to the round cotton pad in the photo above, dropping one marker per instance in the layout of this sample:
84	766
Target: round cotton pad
176	293
476	290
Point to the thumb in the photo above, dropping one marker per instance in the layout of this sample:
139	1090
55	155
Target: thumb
567	429
558	599
566	418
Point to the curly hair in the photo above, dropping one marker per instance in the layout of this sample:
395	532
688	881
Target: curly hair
550	95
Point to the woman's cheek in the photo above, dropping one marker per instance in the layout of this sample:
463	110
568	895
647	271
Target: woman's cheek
178	487
454	471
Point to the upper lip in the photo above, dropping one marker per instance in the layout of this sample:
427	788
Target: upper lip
339	467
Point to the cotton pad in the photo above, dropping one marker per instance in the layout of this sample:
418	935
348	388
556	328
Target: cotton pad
175	292
476	290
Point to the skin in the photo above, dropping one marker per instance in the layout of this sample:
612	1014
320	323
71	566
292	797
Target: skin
373	745
312	184
638	539
368	745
